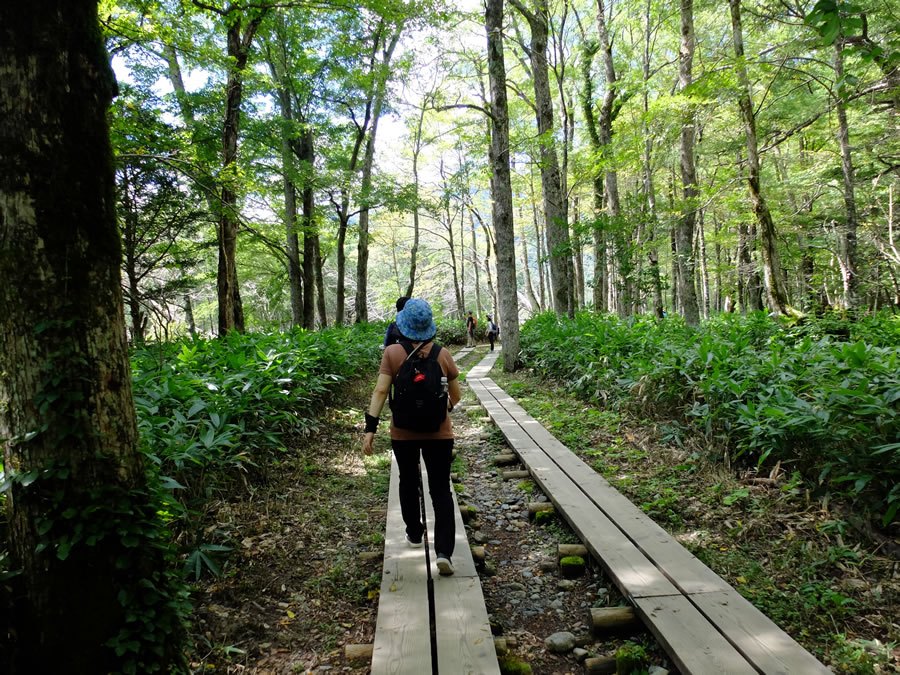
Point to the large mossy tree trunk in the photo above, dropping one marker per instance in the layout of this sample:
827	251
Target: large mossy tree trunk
67	422
307	156
502	187
292	239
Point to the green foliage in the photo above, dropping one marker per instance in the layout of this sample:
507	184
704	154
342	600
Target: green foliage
631	658
511	665
760	390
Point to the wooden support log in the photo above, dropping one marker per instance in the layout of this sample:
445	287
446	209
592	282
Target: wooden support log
505	458
478	554
514	475
454	477
467	512
500	646
535	508
565	550
612	618
600	665
358	653
369	556
454	452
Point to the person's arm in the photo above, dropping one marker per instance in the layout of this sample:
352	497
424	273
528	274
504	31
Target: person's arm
455	392
379	396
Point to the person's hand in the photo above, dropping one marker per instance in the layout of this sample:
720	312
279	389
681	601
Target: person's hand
368	440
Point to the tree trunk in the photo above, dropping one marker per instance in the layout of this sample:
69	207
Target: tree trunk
604	138
579	256
320	283
292	242
308	158
556	225
414	251
189	315
502	196
847	235
81	527
478	304
598	283
529	287
239	39
704	269
684	239
768	244
362	257
649	193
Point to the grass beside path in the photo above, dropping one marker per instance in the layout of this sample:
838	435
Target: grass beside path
796	560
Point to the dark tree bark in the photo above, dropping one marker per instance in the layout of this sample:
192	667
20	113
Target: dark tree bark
320	283
239	40
307	159
768	245
67	422
684	238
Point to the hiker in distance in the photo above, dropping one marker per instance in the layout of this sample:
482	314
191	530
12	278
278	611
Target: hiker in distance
393	335
421	379
470	330
493	331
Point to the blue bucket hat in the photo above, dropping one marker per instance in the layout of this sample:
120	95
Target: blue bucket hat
415	320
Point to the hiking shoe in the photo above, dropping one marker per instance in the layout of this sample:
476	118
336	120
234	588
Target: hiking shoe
445	567
414	543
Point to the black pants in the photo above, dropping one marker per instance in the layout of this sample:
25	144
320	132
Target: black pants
437	455
491	337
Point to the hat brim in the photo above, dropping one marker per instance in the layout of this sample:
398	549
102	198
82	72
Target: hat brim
407	331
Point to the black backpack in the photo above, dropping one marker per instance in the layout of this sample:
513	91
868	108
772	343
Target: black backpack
417	399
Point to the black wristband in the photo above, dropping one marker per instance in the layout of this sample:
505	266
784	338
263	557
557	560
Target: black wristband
450	409
371	423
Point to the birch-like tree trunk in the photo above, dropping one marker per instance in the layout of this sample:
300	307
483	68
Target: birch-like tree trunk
502	188
684	237
68	426
768	244
554	200
847	234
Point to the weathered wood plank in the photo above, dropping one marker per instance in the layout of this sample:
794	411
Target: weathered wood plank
402	640
464	640
687	572
695	646
763	643
484	366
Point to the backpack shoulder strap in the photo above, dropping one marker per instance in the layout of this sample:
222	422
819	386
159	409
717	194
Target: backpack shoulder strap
435	350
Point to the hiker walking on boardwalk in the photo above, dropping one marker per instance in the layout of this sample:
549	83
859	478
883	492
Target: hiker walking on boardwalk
493	331
393	335
471	321
421	379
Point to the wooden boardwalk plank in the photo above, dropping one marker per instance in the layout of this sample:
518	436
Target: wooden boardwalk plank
754	634
484	366
684	569
465	644
695	646
402	637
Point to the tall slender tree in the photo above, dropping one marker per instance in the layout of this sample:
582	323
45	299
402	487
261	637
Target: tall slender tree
502	203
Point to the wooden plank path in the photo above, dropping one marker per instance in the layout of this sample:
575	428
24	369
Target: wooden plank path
703	623
412	591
